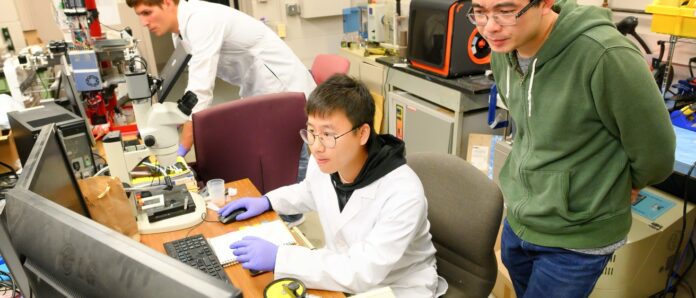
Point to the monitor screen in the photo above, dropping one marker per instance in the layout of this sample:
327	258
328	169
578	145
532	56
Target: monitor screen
172	70
64	254
48	173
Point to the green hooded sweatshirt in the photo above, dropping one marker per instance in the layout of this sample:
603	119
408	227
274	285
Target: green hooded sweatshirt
591	125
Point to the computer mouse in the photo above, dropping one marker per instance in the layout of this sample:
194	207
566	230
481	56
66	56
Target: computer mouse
230	218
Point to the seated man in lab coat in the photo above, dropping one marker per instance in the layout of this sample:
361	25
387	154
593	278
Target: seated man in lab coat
370	203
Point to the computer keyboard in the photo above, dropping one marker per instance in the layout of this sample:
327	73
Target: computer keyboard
195	251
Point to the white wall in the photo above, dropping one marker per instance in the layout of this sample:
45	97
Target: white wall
9	19
306	37
25	15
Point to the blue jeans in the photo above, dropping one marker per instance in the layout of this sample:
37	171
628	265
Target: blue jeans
540	271
301	172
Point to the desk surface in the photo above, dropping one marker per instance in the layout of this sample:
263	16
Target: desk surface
250	286
476	84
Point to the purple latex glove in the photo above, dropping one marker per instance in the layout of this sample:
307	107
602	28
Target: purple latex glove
255	253
182	151
254	207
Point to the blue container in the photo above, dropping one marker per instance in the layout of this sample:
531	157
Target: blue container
3	268
351	19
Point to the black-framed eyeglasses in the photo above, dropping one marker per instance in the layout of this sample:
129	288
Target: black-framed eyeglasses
502	19
326	139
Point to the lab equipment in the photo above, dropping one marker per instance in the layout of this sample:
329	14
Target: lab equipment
71	130
442	41
376	29
684	118
285	287
640	268
197	253
157	124
254	207
163	204
216	191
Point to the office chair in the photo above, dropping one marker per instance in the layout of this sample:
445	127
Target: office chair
464	209
255	137
326	65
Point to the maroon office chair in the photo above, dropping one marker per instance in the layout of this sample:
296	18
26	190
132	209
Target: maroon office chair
325	65
255	137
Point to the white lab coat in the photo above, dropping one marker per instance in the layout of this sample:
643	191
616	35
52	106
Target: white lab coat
382	237
240	50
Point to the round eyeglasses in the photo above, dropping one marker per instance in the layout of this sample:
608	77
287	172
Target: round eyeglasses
328	140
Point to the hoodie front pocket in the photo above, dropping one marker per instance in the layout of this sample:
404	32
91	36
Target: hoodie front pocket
546	208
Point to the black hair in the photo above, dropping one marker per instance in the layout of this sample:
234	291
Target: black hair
343	93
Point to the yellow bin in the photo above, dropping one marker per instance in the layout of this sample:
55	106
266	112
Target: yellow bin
673	20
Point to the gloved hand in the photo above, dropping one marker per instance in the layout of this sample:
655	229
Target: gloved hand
182	151
254	207
255	253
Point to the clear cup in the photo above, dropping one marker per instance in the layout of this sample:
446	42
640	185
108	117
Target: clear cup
216	191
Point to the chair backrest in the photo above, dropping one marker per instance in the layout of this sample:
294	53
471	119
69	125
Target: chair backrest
464	209
326	65
255	137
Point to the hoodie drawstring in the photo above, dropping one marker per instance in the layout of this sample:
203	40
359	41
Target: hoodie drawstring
507	86
529	91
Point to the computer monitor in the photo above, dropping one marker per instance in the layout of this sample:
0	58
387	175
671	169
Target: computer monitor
47	172
63	253
172	70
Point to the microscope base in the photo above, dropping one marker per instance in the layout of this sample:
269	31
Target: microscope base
175	223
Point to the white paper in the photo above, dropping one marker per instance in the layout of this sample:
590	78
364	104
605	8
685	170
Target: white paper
479	157
274	231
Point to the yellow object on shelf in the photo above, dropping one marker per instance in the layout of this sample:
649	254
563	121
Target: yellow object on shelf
673	19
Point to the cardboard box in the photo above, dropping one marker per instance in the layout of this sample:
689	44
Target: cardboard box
8	151
478	151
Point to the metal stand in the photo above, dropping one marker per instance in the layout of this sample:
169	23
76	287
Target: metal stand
672	44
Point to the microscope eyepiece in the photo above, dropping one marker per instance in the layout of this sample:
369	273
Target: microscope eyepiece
187	102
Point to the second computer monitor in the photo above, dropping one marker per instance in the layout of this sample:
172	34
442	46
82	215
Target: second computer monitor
172	70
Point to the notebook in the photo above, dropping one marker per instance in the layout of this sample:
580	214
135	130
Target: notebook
273	231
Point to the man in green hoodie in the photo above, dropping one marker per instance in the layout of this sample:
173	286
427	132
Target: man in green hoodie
591	130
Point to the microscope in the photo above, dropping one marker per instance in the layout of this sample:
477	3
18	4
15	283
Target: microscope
161	205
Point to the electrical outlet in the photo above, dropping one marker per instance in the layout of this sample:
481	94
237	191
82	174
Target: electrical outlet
292	9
